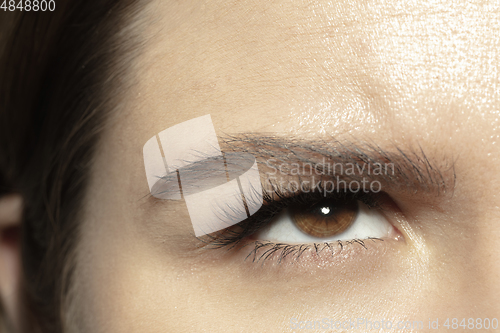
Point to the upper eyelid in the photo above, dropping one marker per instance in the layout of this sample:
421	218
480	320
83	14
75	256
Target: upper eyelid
273	207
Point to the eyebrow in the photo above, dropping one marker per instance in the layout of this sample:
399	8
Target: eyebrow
411	170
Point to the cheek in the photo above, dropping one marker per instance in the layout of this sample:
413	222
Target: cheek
121	286
128	283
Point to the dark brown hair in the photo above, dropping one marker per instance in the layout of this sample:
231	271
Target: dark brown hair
61	73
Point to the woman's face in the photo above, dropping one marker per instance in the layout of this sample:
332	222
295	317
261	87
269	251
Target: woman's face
416	79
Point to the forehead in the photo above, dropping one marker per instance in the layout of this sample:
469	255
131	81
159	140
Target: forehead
321	66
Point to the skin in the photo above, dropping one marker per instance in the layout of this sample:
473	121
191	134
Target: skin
410	73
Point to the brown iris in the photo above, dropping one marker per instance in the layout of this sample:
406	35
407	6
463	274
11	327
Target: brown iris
326	218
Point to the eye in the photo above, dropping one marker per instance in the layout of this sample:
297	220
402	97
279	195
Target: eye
325	221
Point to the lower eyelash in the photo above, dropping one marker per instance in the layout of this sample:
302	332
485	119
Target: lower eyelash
280	251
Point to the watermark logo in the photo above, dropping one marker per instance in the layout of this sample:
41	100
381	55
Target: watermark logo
185	162
327	177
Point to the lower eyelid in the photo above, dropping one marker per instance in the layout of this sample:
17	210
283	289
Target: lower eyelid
280	252
299	259
306	258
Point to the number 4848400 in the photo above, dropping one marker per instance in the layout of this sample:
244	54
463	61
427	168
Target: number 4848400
29	5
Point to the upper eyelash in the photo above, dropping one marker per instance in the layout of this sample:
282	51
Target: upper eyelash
274	203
